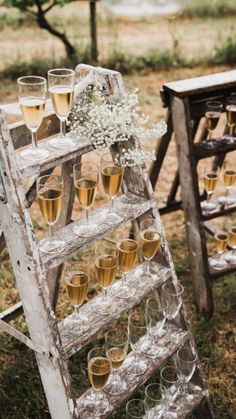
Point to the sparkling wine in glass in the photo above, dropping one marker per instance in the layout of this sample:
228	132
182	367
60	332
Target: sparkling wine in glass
50	194
61	83
221	241
155	401
211	176
231	113
86	184
186	361
76	277
170	383
150	241
136	409
116	345
212	115
99	369
32	96
106	264
231	257
229	177
138	327
112	177
156	311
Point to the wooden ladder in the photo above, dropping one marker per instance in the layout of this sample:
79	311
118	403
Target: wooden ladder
185	100
55	342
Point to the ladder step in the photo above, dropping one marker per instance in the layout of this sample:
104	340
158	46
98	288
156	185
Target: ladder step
133	382
128	207
72	338
184	405
220	210
216	273
11	312
56	156
214	147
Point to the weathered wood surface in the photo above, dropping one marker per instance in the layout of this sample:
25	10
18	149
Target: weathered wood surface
196	85
220	209
72	338
128	207
11	312
216	273
218	146
183	406
133	382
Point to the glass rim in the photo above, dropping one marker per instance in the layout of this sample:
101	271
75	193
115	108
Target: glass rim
214	103
116	344
148	220
68	70
233	227
104	268
73	273
132	240
166	379
184	360
97	348
58	177
136	401
175	293
149	386
37	83
221	233
157	309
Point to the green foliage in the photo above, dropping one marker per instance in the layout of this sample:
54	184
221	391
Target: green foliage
225	53
25	5
209	8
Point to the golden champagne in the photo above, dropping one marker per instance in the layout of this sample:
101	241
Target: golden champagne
232	237
111	179
210	180
86	190
116	357
212	119
62	98
229	177
77	287
231	114
127	254
221	241
32	109
149	243
105	268
50	201
98	371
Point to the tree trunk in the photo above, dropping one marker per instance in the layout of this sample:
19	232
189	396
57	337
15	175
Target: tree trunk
93	30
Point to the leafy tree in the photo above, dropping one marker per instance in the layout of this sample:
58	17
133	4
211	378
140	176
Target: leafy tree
39	9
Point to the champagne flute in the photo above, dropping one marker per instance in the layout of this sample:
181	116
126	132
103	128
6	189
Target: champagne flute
170	383
173	295
112	177
229	176
231	113
61	82
136	409
155	401
99	369
137	329
106	263
50	193
150	241
76	277
156	311
116	344
231	258
211	177
86	183
32	96
221	239
212	115
127	252
186	362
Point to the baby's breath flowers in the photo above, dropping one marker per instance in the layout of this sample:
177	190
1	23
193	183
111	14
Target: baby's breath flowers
105	120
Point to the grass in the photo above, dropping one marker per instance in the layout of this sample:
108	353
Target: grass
209	8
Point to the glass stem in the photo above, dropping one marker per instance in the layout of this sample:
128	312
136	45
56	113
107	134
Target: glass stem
123	279
208	196
50	231
104	294
34	139
86	215
210	135
62	128
111	204
77	312
148	261
231	130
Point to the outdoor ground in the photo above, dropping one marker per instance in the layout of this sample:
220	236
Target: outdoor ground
21	394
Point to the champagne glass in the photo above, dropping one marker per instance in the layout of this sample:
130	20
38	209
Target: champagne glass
32	95
99	369
229	176
186	361
116	344
211	177
136	409
127	252
170	383
76	277
231	258
212	115
155	401
221	240
156	311
86	183
173	295
231	113
61	82
137	329
50	193
112	177
150	241
106	263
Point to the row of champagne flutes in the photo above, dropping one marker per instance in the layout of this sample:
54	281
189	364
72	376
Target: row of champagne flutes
213	111
144	332
32	99
211	178
50	190
222	240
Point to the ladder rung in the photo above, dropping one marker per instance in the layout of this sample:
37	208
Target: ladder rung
220	210
132	381
218	146
11	312
73	340
56	156
184	405
127	206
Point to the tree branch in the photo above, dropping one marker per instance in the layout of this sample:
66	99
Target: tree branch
49	7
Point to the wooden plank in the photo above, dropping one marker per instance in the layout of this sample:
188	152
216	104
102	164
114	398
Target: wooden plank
166	208
216	273
220	210
196	85
214	147
133	382
72	338
11	312
128	207
184	405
